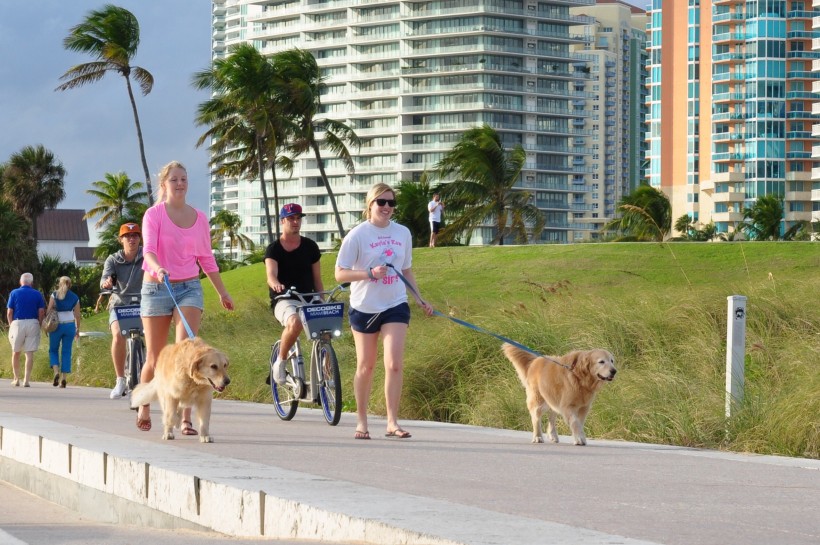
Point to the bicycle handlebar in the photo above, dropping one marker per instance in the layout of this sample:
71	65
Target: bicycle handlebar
309	298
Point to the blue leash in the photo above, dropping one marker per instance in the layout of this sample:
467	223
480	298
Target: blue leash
473	326
181	315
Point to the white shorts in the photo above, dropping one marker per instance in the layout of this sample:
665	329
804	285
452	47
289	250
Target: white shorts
24	335
285	308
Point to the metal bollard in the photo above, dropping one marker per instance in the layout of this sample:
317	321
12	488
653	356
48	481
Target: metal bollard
735	351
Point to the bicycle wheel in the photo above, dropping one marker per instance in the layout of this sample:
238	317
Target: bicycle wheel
330	383
286	397
133	366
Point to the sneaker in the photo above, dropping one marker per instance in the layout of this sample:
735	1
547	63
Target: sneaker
120	389
280	374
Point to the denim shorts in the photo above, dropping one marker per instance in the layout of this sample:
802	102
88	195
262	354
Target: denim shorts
156	301
362	322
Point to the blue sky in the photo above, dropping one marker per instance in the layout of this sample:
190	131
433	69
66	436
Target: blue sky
91	129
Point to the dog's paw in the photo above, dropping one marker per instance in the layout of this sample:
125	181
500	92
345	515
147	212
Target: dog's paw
580	441
205	439
538	439
168	436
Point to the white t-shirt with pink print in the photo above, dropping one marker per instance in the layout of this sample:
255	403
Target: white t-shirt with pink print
368	245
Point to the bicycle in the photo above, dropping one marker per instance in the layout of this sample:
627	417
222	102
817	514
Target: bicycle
128	317
322	321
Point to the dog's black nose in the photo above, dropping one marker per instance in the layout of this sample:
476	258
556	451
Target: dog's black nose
227	380
613	372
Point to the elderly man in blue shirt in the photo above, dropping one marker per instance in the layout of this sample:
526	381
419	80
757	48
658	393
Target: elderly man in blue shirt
24	312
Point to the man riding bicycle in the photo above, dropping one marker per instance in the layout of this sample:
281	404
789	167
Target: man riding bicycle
122	273
290	261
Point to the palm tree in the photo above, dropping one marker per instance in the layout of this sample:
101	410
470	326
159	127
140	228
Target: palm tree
111	35
116	195
17	251
411	208
764	218
32	182
302	86
646	214
227	223
246	123
482	191
685	226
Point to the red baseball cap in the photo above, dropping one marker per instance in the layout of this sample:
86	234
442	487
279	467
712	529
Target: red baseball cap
289	210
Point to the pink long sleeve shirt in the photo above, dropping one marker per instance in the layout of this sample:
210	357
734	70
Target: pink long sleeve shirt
179	251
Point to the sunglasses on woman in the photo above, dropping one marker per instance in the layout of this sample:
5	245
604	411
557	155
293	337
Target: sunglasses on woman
389	202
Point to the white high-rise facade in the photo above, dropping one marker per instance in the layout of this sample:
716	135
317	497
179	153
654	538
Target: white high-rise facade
410	77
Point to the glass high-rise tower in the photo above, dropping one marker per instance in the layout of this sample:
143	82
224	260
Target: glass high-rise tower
730	106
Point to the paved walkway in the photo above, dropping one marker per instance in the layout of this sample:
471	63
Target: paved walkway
448	484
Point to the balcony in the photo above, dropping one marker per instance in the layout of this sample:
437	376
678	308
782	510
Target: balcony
796	196
729	196
731	217
724	177
804	215
707	186
795	176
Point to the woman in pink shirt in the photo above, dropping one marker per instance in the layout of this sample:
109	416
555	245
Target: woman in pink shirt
176	245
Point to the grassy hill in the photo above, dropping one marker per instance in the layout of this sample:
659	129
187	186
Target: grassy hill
660	308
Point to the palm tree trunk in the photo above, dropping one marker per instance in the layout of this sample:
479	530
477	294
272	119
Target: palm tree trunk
275	195
148	186
321	164
261	167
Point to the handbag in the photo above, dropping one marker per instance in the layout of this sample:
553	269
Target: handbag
51	319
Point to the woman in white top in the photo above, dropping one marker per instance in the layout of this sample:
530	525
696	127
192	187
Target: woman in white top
371	257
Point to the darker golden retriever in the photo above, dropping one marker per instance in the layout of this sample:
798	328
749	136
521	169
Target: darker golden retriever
186	375
566	389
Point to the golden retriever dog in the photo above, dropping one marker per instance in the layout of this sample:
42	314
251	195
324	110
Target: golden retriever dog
567	389
186	375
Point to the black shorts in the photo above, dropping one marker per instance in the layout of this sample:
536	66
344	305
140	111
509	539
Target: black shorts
435	226
363	322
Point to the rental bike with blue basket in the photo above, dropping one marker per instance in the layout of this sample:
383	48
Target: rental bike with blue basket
322	322
130	324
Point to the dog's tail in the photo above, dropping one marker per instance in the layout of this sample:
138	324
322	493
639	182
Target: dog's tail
143	394
521	360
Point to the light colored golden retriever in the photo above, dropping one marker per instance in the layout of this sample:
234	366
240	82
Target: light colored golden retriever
567	391
186	375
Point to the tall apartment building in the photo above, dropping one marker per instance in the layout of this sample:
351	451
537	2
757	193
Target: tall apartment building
815	129
411	77
730	111
616	51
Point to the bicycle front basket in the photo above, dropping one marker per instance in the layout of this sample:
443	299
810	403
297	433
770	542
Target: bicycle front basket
322	317
128	317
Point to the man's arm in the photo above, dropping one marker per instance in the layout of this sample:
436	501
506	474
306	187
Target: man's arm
272	273
9	315
108	270
317	276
